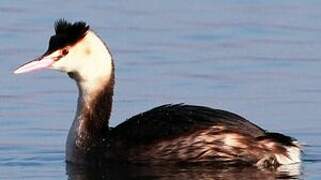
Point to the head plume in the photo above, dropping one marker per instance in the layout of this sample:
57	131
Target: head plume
73	30
67	34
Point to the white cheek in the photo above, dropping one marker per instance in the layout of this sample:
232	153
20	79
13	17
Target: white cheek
89	58
94	68
63	65
96	63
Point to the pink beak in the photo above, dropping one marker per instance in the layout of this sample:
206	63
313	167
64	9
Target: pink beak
40	63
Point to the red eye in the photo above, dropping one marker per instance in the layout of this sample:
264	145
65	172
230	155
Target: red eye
65	52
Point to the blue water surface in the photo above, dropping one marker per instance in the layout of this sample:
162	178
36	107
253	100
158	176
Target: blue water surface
260	59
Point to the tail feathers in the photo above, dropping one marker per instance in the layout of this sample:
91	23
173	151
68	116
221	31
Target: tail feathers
292	156
285	149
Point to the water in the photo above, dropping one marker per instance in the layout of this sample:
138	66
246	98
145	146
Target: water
260	59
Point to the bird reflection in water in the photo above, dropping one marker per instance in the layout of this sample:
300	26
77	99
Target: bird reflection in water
183	172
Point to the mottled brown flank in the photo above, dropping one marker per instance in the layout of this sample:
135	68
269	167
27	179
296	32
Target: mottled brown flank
206	145
189	134
214	144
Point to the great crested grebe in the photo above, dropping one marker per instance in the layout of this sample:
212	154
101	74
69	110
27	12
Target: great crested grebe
165	134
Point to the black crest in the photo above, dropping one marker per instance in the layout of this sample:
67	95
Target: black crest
67	34
73	31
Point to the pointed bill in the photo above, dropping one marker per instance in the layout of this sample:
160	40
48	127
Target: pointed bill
34	65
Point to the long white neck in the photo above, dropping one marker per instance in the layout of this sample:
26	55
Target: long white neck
95	81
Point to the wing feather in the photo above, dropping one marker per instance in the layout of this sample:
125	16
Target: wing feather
170	121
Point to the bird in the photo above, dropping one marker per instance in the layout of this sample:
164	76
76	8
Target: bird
167	134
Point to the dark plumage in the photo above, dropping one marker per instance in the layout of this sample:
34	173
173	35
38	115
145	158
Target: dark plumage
169	121
67	34
188	133
286	140
72	30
